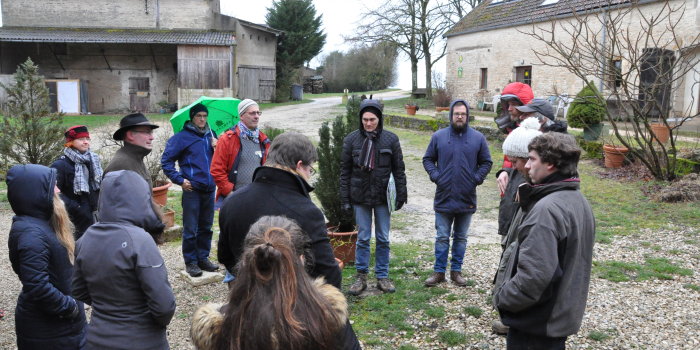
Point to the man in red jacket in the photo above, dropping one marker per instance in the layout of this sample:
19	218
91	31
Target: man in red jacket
240	151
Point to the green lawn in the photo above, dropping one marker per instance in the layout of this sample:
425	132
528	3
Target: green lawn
335	94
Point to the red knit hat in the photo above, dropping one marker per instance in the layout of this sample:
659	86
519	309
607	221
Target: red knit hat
76	132
517	91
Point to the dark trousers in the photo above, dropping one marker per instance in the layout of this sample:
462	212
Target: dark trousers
518	340
197	219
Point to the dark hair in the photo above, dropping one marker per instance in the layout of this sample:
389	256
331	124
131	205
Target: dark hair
289	148
273	303
556	126
560	150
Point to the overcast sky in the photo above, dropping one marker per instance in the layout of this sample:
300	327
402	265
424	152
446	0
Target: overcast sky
339	19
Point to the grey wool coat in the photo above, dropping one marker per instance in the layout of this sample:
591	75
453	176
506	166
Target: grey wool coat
120	272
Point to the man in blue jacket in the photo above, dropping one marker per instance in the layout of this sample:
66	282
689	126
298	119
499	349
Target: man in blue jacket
457	160
193	148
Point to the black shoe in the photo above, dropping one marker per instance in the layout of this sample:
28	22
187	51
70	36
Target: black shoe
207	265
193	270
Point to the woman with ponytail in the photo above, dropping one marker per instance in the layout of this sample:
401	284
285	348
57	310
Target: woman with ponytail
273	303
42	253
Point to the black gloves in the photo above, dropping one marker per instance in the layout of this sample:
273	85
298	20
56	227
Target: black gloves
71	313
399	205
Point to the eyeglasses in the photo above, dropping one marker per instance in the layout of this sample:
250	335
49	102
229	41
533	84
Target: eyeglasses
460	114
312	171
254	112
201	116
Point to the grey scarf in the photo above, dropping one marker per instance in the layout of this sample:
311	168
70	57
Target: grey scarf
81	183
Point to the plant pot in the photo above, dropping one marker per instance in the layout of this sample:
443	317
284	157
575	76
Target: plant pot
341	264
160	194
614	155
592	132
411	110
442	109
661	131
169	218
344	244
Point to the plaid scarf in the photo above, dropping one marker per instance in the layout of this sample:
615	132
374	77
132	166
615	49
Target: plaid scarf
368	154
253	135
82	160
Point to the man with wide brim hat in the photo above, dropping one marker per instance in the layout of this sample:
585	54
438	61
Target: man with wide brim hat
137	133
131	121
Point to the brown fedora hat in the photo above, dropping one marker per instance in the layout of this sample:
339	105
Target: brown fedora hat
131	120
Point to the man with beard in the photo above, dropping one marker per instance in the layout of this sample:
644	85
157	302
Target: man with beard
457	160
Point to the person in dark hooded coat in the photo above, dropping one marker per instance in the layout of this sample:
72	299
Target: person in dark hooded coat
120	272
41	252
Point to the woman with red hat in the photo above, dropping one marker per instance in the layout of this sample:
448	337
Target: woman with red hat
79	177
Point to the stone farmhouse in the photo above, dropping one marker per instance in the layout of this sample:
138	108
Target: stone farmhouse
105	56
489	48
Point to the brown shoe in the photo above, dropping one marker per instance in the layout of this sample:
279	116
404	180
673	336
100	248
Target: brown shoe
457	278
499	328
359	285
434	279
385	285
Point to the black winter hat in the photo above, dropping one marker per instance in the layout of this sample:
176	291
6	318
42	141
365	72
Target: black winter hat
131	120
198	108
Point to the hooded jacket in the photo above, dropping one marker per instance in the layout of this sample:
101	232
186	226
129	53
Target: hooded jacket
46	316
208	319
358	186
120	272
457	162
192	150
542	286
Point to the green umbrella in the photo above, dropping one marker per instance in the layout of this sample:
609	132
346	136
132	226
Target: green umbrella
223	114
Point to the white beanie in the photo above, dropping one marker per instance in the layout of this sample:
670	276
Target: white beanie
245	104
516	143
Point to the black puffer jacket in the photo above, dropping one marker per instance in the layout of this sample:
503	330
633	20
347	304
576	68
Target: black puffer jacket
358	186
46	317
80	207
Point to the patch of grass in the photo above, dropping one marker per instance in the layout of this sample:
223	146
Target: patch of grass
451	297
619	271
452	338
474	311
691	286
336	94
598	335
182	315
407	347
435	311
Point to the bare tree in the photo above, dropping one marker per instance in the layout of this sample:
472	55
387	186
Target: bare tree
433	24
642	68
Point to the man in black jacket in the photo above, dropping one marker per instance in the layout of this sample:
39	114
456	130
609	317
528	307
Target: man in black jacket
281	187
370	156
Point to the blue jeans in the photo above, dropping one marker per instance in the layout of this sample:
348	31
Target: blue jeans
382	219
446	225
197	218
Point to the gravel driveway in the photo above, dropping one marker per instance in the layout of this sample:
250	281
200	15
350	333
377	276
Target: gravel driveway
638	315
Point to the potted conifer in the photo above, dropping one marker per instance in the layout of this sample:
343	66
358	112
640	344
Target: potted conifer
587	111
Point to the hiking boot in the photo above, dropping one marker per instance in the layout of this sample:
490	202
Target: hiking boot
385	285
359	285
434	279
193	270
499	328
207	265
456	277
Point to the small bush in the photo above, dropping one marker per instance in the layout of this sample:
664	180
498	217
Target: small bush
442	97
587	109
593	149
272	132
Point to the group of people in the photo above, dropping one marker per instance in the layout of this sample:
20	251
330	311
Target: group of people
100	248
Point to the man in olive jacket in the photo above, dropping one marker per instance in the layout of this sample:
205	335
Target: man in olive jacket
541	290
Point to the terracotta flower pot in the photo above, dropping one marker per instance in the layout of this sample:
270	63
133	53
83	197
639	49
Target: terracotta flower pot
411	109
442	109
160	194
344	244
614	155
169	218
661	131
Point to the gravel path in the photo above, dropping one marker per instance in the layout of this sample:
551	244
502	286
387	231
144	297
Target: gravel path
638	315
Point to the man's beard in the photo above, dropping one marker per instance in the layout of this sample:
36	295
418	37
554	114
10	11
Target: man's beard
459	127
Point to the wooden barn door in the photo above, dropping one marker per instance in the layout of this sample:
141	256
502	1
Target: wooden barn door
257	83
139	94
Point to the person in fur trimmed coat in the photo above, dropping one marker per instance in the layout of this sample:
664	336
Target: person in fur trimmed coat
273	303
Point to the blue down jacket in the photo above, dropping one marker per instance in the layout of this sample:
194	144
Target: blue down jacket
46	316
457	162
192	150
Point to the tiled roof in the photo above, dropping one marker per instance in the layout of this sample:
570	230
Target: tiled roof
492	14
121	36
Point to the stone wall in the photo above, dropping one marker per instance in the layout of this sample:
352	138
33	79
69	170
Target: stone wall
162	14
436	124
502	50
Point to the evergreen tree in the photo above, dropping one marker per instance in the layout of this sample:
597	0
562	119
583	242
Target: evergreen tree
302	39
31	133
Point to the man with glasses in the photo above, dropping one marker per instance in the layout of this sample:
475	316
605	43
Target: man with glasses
137	134
193	148
371	155
240	151
457	160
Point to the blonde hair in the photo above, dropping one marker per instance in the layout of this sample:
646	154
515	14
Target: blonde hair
61	224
